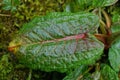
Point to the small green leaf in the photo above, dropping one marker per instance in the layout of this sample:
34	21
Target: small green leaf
87	5
78	5
116	18
102	3
108	73
10	4
115	28
114	54
116	23
7	4
77	73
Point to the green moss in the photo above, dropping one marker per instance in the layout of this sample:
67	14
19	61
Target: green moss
5	67
32	8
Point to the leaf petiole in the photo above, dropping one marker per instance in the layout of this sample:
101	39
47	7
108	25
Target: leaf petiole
107	18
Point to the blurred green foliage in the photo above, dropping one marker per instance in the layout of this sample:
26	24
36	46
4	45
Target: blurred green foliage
5	67
29	9
10	5
115	12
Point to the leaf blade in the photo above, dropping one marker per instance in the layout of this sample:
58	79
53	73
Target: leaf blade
107	73
52	49
114	55
103	3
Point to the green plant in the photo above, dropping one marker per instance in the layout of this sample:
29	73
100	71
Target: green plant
53	43
69	42
10	5
54	40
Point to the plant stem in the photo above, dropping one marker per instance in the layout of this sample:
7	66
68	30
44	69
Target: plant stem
5	15
80	77
101	37
102	24
30	75
95	10
102	27
99	13
107	18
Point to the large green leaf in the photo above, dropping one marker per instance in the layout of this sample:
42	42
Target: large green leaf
114	54
108	73
59	42
69	23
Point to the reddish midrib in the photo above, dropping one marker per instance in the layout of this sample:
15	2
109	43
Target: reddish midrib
77	37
